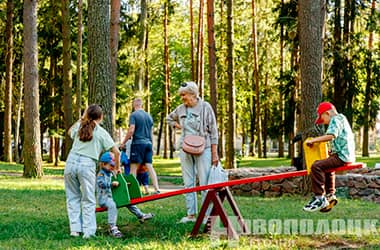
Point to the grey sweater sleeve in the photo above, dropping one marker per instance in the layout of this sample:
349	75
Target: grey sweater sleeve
210	125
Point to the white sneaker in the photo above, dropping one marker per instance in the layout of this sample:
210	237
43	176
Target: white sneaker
187	219
74	234
316	204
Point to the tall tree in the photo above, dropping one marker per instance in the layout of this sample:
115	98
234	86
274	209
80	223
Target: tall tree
311	15
67	76
8	84
32	142
368	88
79	60
114	45
193	77
311	21
18	115
139	75
99	59
348	31
256	80
337	67
344	90
282	101
231	124
167	77
211	54
200	56
146	73
221	94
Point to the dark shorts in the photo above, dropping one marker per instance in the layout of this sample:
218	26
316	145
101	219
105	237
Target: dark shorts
143	178
141	153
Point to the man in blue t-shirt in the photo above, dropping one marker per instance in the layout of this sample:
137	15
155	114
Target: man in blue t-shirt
141	132
342	151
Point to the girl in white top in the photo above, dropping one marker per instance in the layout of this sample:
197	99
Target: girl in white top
90	140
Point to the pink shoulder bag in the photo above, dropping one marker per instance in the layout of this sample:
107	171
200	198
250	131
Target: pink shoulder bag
195	144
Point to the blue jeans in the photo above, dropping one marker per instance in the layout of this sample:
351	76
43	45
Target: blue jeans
193	166
110	204
80	178
136	211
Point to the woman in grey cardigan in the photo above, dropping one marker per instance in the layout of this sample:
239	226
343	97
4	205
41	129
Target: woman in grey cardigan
195	117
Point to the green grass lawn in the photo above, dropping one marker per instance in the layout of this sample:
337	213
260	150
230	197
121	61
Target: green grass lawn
33	216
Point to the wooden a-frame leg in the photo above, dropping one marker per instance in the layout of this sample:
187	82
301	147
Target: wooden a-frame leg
217	197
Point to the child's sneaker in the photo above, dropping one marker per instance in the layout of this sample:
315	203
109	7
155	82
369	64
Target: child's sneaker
114	231
332	202
145	217
316	204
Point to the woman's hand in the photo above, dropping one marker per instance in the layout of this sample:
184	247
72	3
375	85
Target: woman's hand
215	161
214	154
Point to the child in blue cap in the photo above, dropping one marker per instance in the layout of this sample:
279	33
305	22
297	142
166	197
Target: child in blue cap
105	184
124	161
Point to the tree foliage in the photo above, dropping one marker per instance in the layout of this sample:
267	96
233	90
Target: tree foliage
348	64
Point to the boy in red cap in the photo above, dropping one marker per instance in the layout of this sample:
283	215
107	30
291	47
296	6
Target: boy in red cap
342	151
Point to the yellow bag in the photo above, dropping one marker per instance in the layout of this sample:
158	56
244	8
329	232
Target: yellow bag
318	151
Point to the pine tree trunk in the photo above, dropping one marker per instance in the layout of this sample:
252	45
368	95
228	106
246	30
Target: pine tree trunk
282	101
257	82
114	46
221	94
79	60
32	143
139	75
146	73
200	55
99	57
231	123
8	84
167	79
18	116
211	55
311	21
337	67
193	73
368	89
67	77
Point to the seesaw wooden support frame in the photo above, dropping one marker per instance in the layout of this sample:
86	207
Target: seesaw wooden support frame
216	197
219	192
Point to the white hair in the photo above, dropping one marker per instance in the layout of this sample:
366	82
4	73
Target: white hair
189	87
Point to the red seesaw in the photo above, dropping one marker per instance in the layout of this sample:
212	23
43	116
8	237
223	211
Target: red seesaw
216	195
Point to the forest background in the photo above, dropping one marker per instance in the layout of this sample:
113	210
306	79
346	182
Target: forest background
246	57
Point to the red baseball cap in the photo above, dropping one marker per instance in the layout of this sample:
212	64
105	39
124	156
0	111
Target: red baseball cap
323	107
